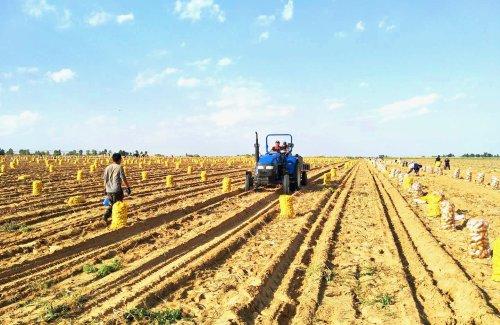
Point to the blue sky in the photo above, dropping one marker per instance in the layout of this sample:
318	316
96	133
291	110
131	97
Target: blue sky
199	76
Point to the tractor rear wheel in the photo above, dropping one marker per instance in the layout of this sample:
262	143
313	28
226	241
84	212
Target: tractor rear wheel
286	184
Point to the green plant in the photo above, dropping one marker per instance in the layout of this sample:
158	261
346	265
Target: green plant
385	300
54	312
162	317
106	269
13	226
88	268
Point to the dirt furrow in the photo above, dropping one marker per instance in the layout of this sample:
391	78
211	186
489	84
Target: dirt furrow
468	303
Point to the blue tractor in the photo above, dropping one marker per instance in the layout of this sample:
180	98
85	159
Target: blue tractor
277	167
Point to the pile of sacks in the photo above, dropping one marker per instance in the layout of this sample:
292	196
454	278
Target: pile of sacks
468	175
447	215
416	189
494	182
479	246
456	173
480	178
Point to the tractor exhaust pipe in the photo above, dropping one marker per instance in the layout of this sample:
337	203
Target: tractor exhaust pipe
257	154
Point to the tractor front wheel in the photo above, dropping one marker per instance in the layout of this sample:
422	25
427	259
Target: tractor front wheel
303	179
248	181
286	184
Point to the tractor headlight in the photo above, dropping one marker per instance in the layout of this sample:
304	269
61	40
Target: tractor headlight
260	167
269	167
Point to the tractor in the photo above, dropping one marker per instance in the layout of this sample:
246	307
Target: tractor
277	167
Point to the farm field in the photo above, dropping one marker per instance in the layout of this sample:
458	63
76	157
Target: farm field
357	251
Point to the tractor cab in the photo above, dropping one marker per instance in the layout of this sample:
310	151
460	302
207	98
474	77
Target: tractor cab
278	166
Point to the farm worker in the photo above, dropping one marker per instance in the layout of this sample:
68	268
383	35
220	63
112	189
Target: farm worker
276	147
447	163
414	167
437	163
113	177
284	147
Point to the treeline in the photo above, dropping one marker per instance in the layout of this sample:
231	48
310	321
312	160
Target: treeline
80	152
484	154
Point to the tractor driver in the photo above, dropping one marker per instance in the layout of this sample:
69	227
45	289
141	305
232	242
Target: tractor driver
277	146
284	147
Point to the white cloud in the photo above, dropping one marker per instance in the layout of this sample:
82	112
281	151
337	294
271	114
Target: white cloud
404	108
360	25
12	123
194	9
37	8
334	104
64	19
120	19
340	35
265	20
243	102
188	82
145	79
263	36
363	84
98	18
224	62
382	24
14	88
287	13
27	70
456	97
201	64
62	75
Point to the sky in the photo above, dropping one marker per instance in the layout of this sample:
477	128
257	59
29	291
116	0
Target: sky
397	77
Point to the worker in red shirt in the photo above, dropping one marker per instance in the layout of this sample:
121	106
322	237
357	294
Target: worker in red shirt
277	147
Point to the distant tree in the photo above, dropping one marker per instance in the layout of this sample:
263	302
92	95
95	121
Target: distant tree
10	151
87	152
2	152
450	155
72	153
80	152
24	151
57	152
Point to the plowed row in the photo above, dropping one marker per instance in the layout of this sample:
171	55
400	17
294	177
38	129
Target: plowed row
355	252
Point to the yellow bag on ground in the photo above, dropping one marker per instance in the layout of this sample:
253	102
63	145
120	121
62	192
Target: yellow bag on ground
407	181
144	176
433	208
75	200
286	206
203	176
169	181
327	179
119	215
37	187
226	185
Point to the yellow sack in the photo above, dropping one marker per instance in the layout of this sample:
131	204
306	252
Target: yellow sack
407	181
333	173
226	185
327	179
169	181
75	200
144	176
189	170
79	175
286	206
119	215
203	176
37	187
433	200
495	276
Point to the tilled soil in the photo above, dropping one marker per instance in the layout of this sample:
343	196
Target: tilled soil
357	252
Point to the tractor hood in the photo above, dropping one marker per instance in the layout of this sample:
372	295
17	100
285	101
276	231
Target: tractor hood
269	159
